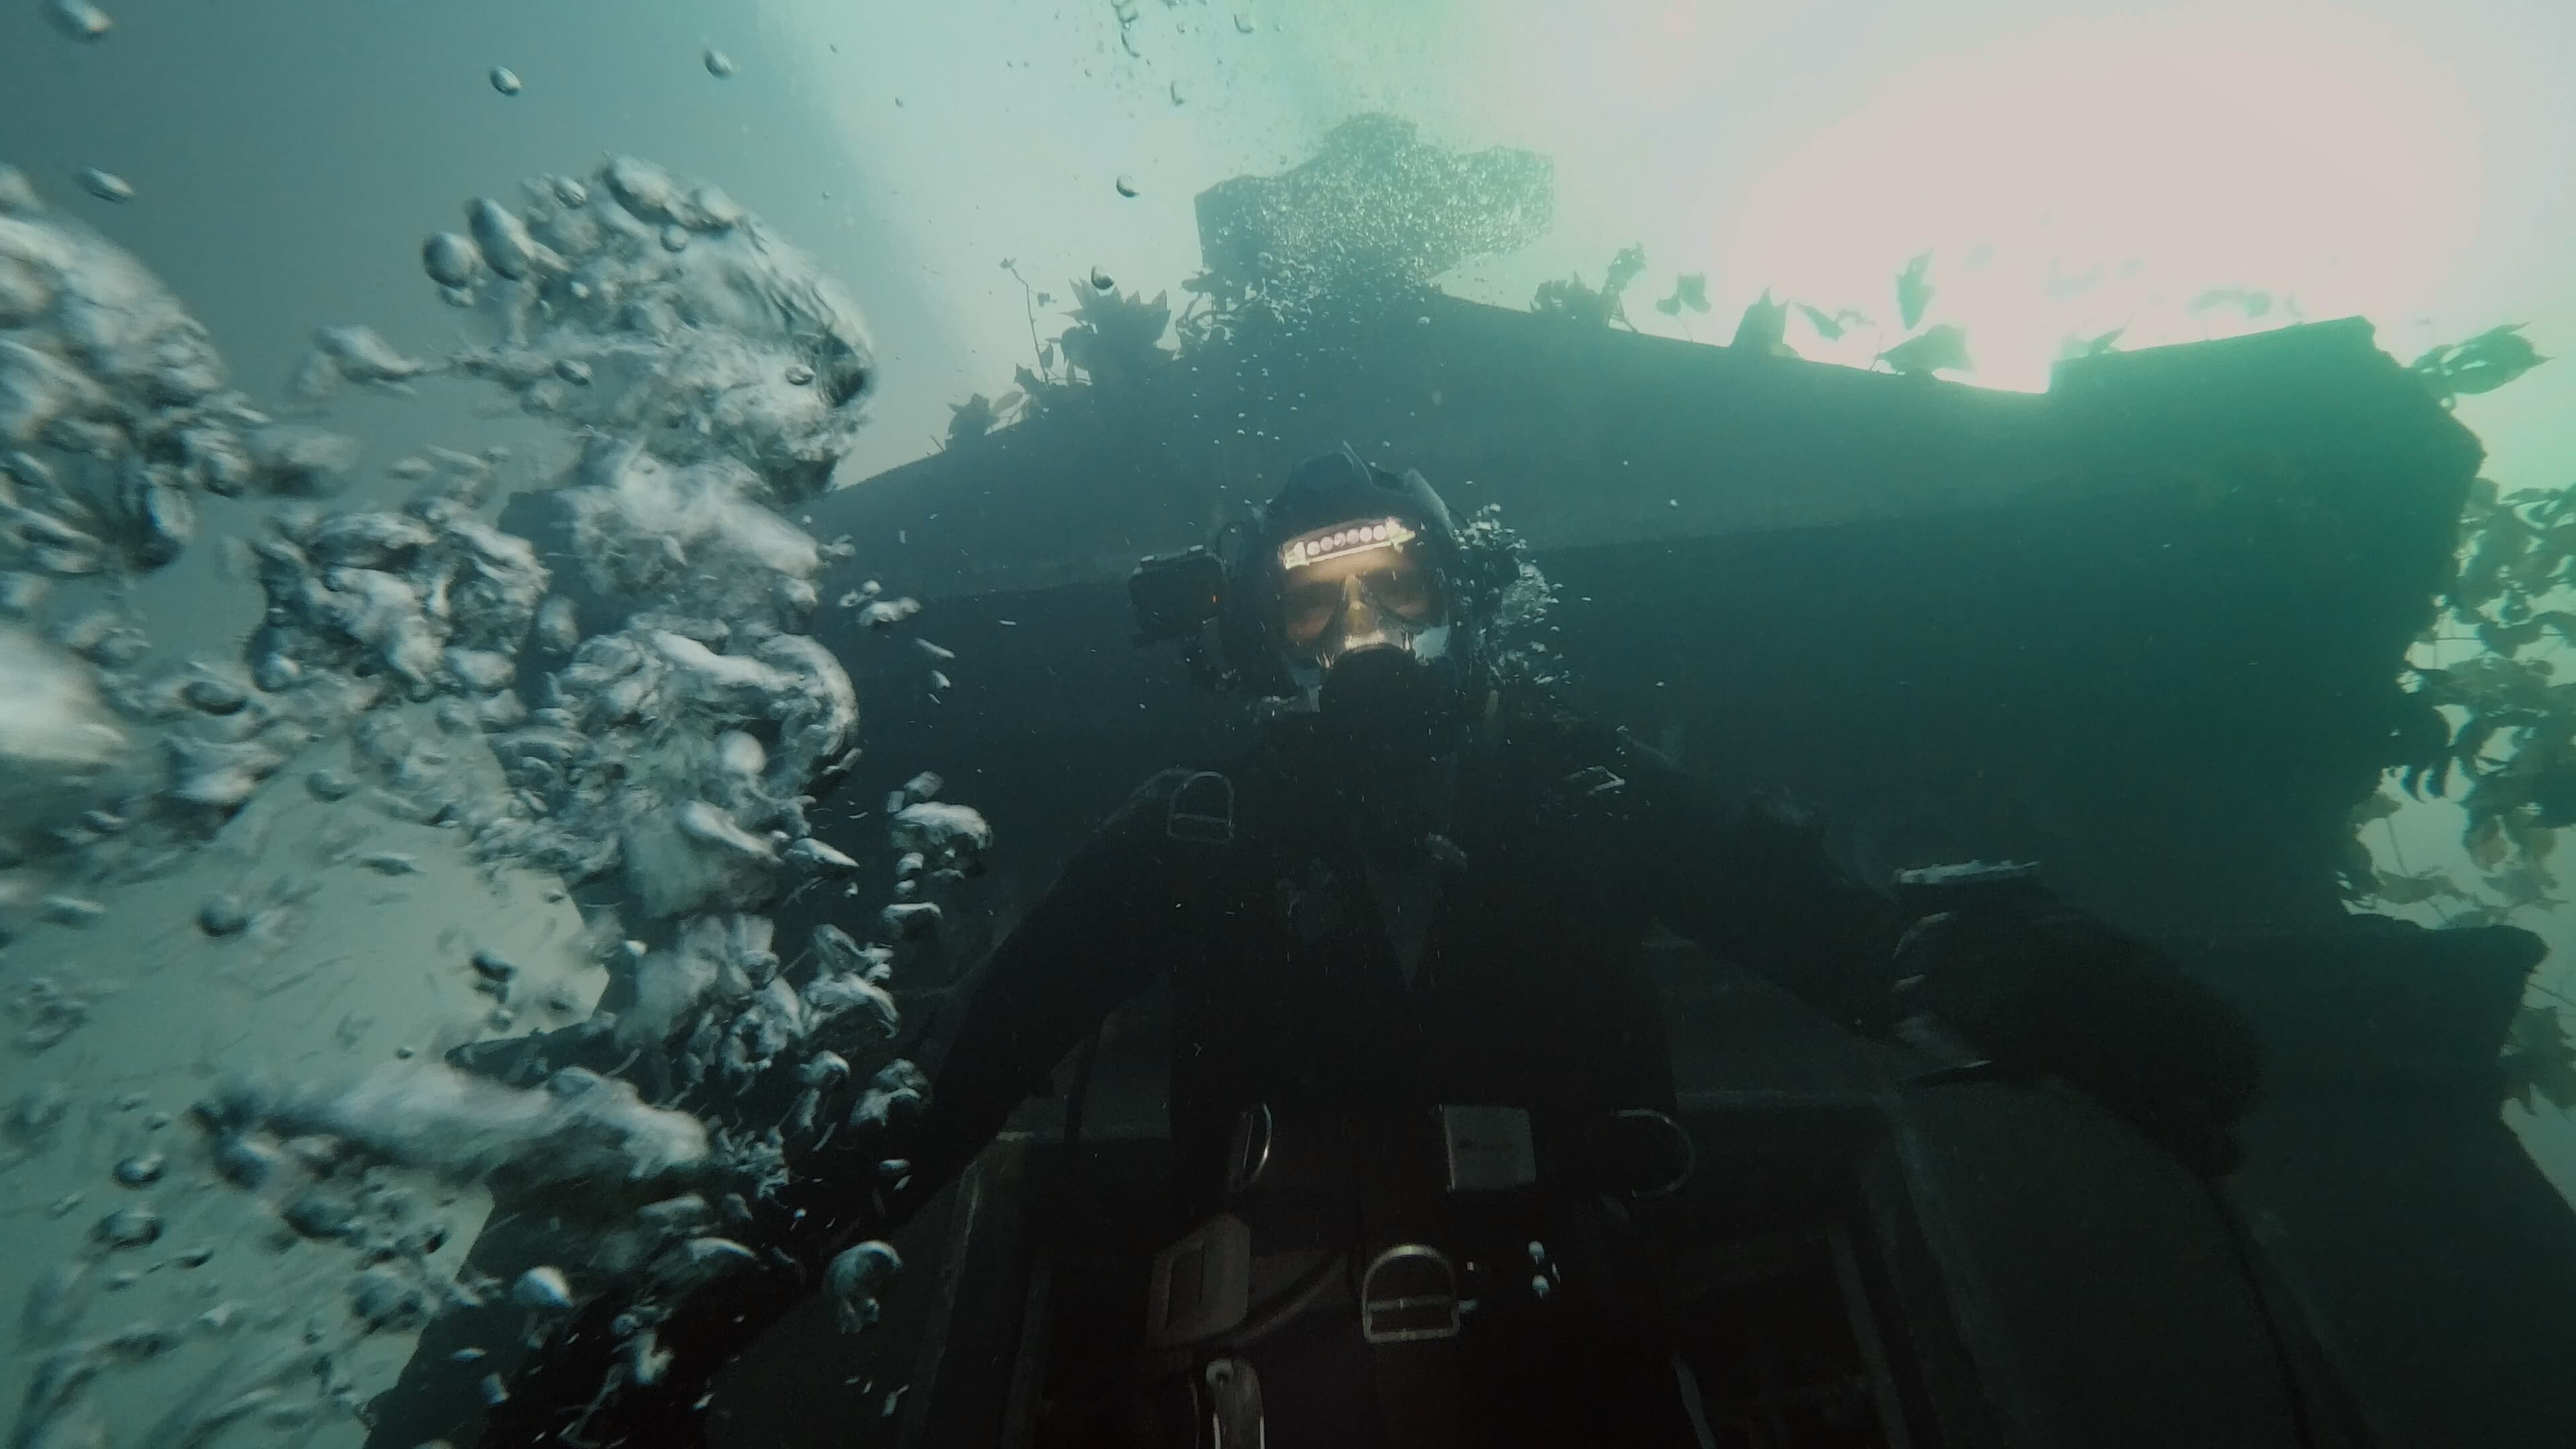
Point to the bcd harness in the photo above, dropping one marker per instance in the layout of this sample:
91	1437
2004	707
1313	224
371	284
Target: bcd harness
1412	1219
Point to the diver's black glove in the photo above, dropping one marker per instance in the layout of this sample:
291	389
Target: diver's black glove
2045	989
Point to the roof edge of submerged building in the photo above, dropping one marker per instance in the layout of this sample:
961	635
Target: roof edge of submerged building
1590	436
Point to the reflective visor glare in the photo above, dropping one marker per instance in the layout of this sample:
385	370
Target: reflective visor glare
1368	563
1309	549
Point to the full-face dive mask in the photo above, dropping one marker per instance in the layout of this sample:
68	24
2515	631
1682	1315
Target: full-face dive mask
1345	596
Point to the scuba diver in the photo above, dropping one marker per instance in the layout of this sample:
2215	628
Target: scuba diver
1422	1101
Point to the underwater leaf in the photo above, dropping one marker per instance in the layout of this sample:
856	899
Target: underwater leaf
2485	843
2472	917
1574	302
2552	792
1826	327
1762	325
2538	1057
2521	885
1942	348
972	418
2418	888
2506	639
2482	364
1669	306
1626	267
1914	290
2471	742
1691	290
2098	344
2377	807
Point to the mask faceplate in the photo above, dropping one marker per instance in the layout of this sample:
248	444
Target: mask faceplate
1357	586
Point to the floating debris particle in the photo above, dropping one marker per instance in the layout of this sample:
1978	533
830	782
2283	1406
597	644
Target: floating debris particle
389	862
1242	23
505	80
80	20
1177	97
328	785
573	370
719	64
106	185
1126	184
1101	281
141	1170
798	374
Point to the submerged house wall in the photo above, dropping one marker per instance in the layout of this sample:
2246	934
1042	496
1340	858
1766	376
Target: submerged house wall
2144	628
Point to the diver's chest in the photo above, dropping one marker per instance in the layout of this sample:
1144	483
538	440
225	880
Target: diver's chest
1330	925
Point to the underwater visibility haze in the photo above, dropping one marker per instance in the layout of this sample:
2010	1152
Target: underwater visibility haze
1189	723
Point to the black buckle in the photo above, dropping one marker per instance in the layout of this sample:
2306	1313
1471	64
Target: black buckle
1409	1295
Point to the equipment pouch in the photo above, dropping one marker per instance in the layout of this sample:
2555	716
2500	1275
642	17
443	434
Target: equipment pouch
1202	1285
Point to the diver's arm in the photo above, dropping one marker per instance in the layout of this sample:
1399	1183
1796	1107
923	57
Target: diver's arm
2044	989
1114	920
1749	878
1121	916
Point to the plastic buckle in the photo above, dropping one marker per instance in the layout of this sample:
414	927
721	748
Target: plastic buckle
1409	1295
1211	822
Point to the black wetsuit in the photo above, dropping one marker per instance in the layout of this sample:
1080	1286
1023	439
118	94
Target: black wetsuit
1251	890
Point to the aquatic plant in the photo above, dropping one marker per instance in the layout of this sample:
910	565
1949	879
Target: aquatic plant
976	416
1941	347
1116	337
1690	289
2497	725
1764	327
1574	302
1219	303
2482	364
